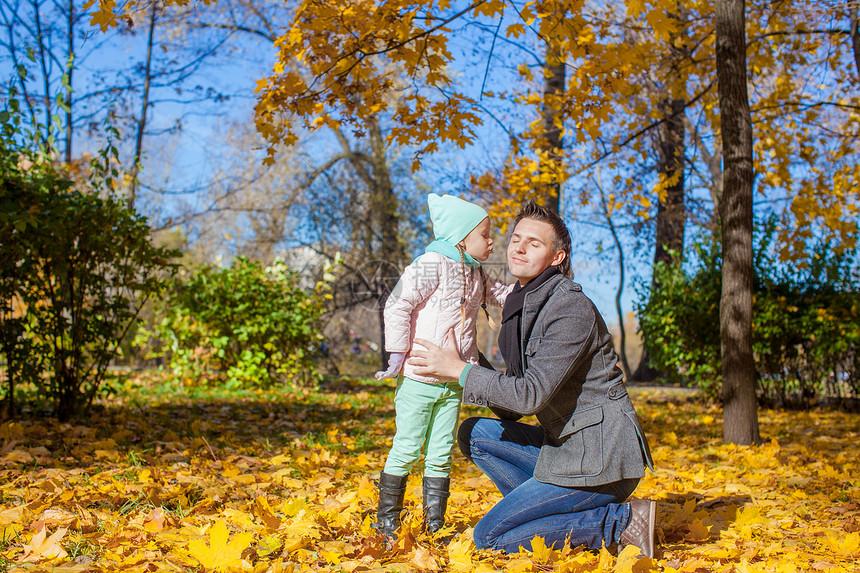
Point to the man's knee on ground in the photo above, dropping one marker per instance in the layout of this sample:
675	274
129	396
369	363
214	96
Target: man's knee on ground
483	538
464	437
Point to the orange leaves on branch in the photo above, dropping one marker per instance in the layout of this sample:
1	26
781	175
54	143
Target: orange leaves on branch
105	17
358	59
490	8
515	30
342	63
523	178
107	14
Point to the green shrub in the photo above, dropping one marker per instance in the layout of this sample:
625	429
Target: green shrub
806	323
806	328
242	325
75	270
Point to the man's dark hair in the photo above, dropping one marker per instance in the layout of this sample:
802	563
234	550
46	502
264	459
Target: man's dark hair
561	236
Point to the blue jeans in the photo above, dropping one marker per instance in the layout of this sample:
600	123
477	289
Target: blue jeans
507	452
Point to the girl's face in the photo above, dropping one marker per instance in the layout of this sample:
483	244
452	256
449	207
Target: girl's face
479	243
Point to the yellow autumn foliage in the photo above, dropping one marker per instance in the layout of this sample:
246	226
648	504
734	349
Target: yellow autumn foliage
344	62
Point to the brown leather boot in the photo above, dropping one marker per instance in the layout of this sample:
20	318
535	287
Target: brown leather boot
640	530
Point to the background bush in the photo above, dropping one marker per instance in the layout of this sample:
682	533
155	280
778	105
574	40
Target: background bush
806	323
240	325
75	270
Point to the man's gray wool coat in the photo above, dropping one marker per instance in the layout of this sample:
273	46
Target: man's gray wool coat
573	384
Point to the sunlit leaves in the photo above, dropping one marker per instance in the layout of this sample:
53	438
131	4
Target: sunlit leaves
220	553
843	546
41	548
515	30
283	482
360	59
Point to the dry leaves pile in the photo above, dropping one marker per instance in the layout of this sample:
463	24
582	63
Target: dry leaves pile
284	482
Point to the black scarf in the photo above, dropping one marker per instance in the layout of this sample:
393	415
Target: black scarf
510	343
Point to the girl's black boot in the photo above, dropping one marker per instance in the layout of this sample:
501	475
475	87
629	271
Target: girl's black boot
392	489
435	502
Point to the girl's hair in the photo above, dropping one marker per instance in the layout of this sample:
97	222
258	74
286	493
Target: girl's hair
561	236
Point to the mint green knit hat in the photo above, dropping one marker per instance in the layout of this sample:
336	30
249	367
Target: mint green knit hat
453	218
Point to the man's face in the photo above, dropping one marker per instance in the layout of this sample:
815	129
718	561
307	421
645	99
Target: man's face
530	250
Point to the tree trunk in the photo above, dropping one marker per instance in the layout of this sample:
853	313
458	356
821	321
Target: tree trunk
46	79
67	403
645	372
380	233
671	213
854	15
622	346
740	416
11	340
384	204
71	64
384	201
551	144
141	124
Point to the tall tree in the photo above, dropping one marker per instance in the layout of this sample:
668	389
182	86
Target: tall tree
740	418
552	120
73	80
71	22
350	55
607	215
854	30
374	214
38	43
380	212
144	105
669	93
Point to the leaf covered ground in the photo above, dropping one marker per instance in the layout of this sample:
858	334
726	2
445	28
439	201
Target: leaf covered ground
167	478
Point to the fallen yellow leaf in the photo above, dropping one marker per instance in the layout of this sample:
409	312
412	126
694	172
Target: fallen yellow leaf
698	531
424	560
847	547
40	548
220	554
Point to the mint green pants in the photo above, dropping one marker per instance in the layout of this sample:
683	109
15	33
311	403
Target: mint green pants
426	418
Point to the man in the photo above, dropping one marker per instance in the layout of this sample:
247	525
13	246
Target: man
566	480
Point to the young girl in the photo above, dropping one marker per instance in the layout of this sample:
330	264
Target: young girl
442	289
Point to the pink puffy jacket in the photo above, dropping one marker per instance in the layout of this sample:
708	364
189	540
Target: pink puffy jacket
425	303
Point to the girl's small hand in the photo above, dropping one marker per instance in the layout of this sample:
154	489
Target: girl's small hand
395	363
430	360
